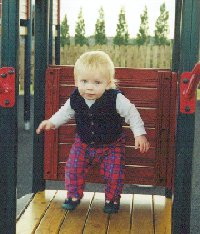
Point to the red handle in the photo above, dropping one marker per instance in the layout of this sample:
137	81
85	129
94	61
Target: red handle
193	83
196	69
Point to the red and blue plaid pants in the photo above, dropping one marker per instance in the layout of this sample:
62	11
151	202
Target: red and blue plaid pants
112	163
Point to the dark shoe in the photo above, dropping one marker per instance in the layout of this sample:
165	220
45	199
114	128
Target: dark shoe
111	208
69	204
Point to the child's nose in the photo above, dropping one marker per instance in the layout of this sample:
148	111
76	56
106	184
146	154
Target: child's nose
90	86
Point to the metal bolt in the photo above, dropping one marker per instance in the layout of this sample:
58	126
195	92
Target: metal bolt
3	75
187	109
185	80
11	72
6	102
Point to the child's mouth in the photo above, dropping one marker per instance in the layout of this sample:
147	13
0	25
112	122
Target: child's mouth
90	95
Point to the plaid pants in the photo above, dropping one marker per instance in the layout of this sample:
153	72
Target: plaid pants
112	163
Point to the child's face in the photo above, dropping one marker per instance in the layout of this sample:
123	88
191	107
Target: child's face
92	85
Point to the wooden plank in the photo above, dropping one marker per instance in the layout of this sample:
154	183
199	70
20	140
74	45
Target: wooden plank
130	56
155	56
148	56
51	137
54	215
142	215
172	127
127	77
75	221
45	215
120	222
97	221
34	212
137	77
163	116
162	214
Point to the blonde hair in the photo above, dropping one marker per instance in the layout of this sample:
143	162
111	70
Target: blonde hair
96	61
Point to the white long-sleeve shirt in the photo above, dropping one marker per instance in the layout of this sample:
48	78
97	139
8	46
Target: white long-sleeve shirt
123	106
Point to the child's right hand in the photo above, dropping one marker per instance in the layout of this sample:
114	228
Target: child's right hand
45	125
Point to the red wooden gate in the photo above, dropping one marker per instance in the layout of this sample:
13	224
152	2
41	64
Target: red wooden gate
153	91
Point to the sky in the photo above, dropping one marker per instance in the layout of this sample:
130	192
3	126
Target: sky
133	10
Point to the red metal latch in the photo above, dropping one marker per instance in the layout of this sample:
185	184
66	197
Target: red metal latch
7	87
188	85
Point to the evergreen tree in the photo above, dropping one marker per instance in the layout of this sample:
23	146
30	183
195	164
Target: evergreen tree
100	36
143	34
122	35
80	30
162	27
64	31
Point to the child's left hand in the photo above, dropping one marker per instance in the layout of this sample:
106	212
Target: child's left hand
142	143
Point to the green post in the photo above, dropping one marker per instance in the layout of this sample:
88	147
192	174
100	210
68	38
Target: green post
177	36
51	32
41	63
27	69
8	120
57	38
184	171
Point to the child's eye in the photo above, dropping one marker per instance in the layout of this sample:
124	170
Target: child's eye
84	81
97	82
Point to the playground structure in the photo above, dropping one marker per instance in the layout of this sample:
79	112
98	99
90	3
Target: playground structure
153	91
185	56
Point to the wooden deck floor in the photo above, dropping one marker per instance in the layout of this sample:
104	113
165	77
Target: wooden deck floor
139	214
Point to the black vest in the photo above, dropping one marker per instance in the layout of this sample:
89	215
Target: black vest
100	124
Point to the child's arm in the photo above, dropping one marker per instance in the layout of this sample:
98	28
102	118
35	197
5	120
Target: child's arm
63	115
132	117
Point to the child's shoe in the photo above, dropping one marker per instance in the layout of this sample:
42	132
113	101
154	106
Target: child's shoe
69	204
111	207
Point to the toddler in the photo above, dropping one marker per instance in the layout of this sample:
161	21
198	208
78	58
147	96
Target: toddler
99	109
